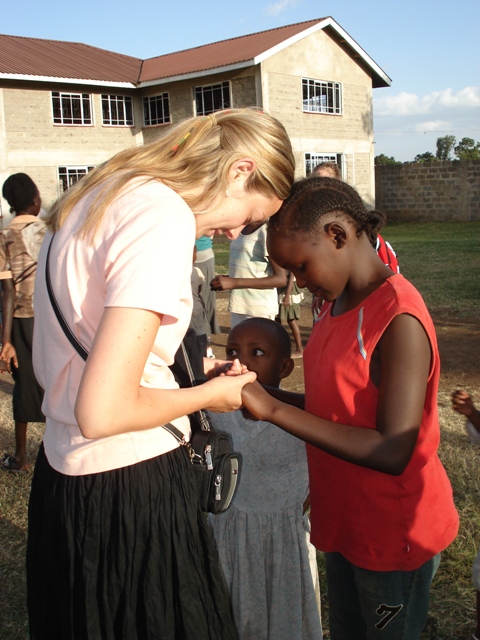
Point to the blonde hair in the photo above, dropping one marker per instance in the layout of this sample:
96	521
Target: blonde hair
194	155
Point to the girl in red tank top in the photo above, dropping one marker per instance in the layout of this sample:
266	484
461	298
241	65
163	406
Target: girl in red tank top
381	503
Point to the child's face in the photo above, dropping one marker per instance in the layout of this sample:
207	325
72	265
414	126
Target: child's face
315	261
256	348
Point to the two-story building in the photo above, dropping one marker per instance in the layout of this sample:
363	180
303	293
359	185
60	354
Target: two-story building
66	107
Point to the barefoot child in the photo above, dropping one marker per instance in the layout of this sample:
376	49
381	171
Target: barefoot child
463	403
381	503
289	299
262	539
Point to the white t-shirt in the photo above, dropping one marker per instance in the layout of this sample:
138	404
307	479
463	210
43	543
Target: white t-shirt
141	257
249	259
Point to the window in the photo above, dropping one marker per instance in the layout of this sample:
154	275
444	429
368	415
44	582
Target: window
321	97
117	111
156	110
71	108
215	97
68	176
312	159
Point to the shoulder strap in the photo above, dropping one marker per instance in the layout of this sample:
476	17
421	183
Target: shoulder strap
82	352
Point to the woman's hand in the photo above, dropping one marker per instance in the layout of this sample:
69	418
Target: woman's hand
226	391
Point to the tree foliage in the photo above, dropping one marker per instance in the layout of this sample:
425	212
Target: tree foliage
468	149
383	159
424	157
445	146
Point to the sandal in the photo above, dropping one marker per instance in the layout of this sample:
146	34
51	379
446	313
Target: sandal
10	463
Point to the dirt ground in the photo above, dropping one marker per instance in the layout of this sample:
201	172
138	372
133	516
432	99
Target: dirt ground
458	339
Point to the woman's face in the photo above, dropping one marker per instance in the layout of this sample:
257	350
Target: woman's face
235	212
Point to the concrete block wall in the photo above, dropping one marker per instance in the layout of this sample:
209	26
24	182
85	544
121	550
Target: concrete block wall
436	191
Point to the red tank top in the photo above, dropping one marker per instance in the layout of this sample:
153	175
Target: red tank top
377	521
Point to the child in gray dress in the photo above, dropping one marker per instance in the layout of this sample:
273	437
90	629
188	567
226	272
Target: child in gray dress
263	538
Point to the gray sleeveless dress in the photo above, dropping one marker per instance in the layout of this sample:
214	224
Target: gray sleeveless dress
263	538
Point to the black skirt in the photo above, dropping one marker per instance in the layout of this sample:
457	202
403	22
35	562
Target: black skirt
124	554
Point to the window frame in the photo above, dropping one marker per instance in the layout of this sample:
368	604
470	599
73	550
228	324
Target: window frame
113	104
317	157
328	92
147	102
64	178
202	91
72	106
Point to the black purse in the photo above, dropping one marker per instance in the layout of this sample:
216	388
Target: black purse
216	466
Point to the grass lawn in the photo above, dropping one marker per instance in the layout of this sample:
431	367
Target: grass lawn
442	260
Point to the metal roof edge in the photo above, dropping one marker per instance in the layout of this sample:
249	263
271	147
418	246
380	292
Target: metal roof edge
197	74
51	79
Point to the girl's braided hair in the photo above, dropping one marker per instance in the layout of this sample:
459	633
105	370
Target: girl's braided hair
312	198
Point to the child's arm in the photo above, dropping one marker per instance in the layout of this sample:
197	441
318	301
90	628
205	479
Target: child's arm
277	279
405	354
463	403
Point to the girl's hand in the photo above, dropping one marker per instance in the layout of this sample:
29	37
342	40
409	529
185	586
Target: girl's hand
227	396
222	283
225	368
258	402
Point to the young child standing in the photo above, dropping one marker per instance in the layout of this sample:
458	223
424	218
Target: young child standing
263	538
19	247
463	403
289	299
381	503
253	277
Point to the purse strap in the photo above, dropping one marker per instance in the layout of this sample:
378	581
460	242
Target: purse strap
83	353
79	348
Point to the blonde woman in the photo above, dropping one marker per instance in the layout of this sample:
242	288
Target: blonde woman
118	547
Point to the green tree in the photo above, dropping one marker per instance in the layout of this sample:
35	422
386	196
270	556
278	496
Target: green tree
468	149
383	159
445	146
424	157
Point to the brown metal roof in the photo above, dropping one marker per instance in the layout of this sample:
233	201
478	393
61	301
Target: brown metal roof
22	56
219	54
54	58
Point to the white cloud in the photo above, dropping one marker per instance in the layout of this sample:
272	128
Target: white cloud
408	104
280	7
432	125
408	124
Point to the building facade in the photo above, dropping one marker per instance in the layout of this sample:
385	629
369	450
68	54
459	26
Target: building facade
67	107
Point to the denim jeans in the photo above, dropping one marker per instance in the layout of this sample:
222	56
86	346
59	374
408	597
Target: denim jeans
369	605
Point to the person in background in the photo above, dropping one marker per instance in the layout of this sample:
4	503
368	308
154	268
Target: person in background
289	299
205	261
263	538
118	546
382	508
463	403
199	322
19	247
253	277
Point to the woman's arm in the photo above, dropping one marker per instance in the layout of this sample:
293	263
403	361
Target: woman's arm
405	356
110	399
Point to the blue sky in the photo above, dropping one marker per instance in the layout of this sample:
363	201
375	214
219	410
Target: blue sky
429	48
